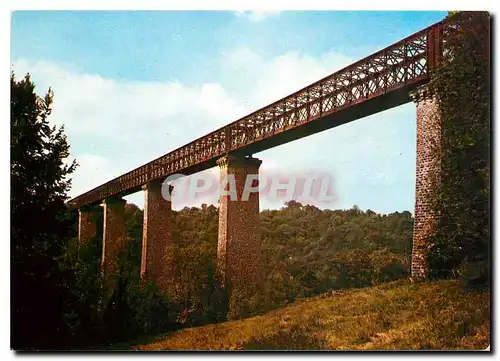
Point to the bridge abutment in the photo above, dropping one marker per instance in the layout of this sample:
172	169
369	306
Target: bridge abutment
239	244
113	235
157	261
429	148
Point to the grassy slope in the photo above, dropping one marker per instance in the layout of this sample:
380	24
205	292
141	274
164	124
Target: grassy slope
396	315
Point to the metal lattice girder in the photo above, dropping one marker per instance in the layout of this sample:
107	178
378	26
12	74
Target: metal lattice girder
405	63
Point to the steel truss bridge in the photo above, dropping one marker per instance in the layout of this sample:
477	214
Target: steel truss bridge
378	82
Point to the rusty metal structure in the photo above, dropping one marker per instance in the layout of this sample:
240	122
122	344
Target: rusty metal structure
378	82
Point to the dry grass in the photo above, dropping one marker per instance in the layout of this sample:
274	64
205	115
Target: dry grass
394	316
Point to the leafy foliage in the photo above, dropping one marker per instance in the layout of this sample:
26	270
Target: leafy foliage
309	251
40	224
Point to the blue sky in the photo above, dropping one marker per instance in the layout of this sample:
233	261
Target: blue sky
131	86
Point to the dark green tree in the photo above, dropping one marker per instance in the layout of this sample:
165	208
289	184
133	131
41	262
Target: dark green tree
40	223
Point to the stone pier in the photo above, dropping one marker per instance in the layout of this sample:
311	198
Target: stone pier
113	237
429	147
87	223
239	245
157	260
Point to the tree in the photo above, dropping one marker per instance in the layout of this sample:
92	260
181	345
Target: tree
40	223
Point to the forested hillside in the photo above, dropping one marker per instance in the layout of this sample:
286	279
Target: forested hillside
306	251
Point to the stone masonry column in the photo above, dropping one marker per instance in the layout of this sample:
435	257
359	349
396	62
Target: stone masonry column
239	245
429	146
157	260
113	235
87	223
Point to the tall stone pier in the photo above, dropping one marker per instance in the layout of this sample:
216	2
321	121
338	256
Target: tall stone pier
87	223
157	260
239	245
429	148
113	236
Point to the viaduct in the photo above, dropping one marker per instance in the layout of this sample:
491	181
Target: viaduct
385	79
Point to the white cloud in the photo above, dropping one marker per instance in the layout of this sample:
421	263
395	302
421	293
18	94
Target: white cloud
257	16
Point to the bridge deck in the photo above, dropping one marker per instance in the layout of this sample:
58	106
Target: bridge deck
378	82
